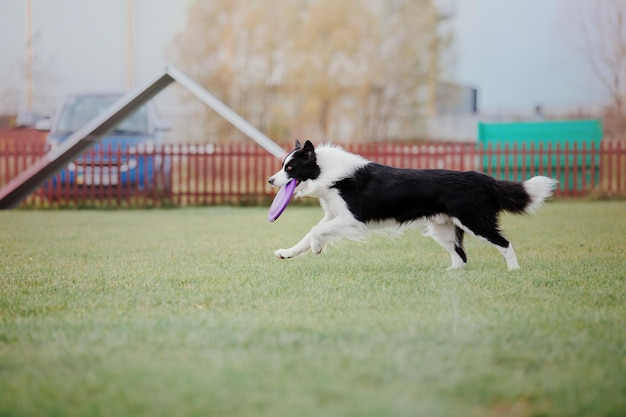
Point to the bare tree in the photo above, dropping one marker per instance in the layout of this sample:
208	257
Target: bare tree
601	39
325	69
331	60
9	95
409	50
233	47
45	81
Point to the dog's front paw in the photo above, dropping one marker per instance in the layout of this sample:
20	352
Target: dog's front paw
284	253
317	247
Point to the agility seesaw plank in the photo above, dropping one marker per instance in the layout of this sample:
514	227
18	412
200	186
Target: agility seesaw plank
227	113
28	180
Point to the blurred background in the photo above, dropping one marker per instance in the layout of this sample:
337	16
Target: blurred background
328	70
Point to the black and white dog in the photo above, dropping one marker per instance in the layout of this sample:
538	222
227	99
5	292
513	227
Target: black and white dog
357	195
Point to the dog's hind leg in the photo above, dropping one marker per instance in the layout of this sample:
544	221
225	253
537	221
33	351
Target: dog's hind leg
458	243
451	238
488	230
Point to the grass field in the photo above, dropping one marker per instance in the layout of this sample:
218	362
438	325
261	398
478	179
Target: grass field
187	313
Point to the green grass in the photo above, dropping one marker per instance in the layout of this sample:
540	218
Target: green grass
187	313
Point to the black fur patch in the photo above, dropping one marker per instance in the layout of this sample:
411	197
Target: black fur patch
378	192
302	165
458	244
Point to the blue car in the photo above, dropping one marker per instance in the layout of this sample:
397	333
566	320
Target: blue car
124	157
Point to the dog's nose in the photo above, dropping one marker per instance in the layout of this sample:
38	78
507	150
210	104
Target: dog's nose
271	181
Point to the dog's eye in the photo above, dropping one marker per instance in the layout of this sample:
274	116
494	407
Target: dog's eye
288	168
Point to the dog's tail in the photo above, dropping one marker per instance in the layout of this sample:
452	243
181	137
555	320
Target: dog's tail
538	189
524	197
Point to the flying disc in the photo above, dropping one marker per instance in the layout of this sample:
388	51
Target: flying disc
282	199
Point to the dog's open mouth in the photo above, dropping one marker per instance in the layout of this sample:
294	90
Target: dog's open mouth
282	199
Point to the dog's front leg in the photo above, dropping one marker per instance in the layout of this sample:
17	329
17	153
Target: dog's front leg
301	247
315	239
324	232
337	228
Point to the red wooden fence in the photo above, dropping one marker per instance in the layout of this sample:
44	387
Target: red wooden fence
236	174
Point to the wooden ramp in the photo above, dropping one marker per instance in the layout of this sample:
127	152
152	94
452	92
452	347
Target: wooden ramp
28	180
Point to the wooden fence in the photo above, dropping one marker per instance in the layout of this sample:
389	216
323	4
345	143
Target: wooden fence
236	174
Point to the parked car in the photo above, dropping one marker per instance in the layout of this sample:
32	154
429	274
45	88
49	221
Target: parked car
123	157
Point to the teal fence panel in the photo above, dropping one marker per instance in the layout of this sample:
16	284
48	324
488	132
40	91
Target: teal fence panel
516	146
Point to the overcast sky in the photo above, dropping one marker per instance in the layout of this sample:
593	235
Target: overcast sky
518	53
511	50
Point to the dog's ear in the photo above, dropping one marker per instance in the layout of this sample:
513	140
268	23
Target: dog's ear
309	151
298	145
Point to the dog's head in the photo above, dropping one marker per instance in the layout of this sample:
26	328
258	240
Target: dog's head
299	164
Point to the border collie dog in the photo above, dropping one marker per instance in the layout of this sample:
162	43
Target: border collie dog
357	195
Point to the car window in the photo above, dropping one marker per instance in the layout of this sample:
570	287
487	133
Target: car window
78	110
136	123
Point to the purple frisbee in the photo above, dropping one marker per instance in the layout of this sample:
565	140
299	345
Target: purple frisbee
282	199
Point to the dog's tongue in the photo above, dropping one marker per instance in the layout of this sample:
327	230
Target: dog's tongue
282	199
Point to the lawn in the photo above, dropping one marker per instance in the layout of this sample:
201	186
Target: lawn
186	312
